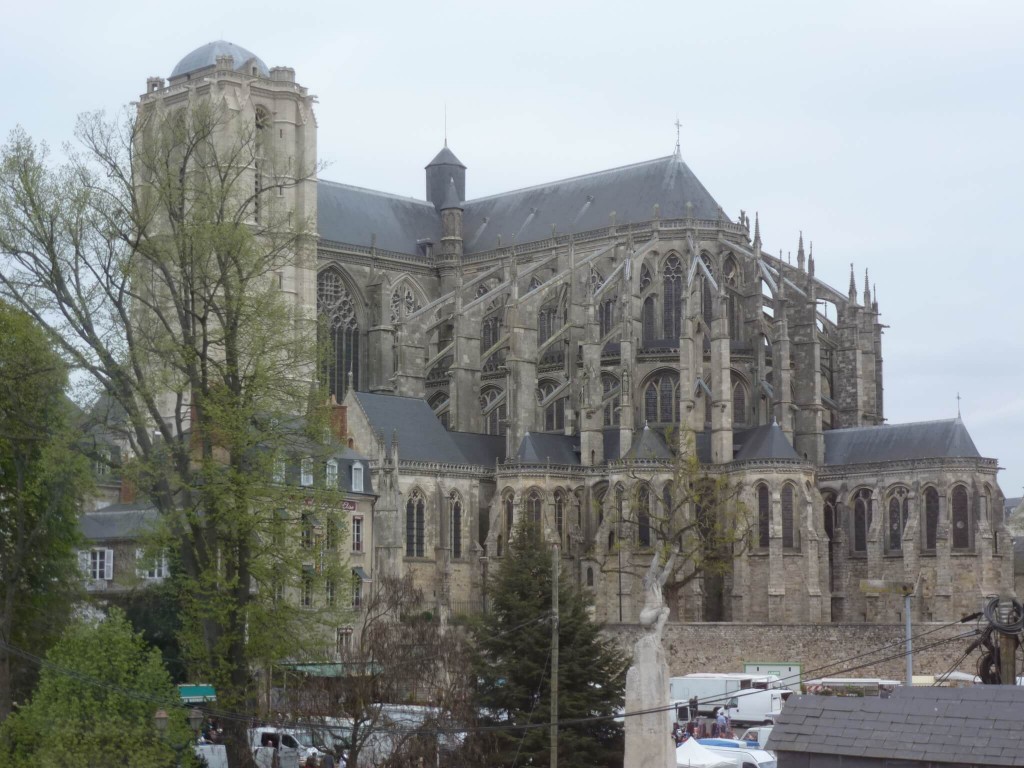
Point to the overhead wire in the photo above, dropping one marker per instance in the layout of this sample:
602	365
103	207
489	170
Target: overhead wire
228	715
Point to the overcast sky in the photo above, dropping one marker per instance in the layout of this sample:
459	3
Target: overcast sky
889	132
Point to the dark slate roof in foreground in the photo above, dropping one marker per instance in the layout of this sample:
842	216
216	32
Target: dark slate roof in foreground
354	215
118	521
421	437
899	442
978	725
767	441
545	448
585	203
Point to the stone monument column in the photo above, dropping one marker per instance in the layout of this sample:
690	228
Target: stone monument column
649	741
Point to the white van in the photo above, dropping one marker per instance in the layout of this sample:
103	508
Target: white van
745	757
291	746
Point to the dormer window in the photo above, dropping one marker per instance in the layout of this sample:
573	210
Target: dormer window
307	472
332	474
357	478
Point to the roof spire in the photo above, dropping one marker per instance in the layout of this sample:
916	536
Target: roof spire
867	289
800	252
958	405
757	234
874	297
810	260
853	285
679	125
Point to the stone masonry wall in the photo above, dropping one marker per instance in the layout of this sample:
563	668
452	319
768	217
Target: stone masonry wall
822	650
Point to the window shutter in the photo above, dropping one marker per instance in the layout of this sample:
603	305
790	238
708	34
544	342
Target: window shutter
108	565
83	562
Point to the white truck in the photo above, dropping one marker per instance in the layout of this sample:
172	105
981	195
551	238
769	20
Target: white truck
756	707
749	698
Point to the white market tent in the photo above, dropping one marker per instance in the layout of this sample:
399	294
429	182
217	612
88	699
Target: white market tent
690	754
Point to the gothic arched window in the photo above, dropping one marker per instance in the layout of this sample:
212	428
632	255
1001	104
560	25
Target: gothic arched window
403	303
961	518
764	516
490	332
494	408
337	309
643	518
553	405
899	508
661	399
547	323
533	510
611	399
786	499
260	139
606	315
931	518
560	514
649	331
509	512
739	401
861	520
415	509
456	525
672	307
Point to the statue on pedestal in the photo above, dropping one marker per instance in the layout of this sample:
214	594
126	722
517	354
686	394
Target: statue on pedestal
649	736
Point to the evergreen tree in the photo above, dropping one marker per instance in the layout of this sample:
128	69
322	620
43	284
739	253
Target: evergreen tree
80	714
514	673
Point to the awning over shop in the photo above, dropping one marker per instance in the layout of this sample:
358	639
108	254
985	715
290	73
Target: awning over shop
196	694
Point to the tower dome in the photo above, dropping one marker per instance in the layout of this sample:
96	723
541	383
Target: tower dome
206	56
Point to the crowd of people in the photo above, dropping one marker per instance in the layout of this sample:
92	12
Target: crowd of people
696	727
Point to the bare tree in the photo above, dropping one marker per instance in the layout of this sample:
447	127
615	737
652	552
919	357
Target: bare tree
154	262
682	507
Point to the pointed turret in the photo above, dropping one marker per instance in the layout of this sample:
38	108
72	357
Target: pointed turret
874	298
810	261
451	197
853	286
800	253
757	235
867	290
444	168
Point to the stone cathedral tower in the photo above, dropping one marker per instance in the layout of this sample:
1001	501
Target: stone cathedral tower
267	109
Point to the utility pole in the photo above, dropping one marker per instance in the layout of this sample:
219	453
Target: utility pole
1007	641
878	587
554	656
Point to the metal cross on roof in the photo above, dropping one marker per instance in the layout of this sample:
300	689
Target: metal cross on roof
678	126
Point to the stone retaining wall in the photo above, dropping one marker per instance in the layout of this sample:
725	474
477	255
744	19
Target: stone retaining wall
822	650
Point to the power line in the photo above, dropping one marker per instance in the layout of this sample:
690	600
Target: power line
312	724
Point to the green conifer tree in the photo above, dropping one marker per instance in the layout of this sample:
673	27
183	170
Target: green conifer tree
514	673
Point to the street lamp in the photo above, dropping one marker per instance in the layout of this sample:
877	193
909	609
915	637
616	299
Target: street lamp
161	718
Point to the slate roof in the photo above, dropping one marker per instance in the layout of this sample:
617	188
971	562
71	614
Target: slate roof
544	448
353	215
585	202
206	56
649	444
445	157
118	521
767	441
421	437
978	725
899	442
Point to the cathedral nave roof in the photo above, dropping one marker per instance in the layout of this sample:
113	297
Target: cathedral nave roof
948	438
